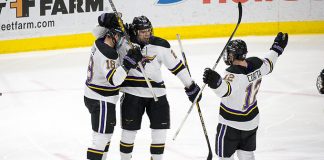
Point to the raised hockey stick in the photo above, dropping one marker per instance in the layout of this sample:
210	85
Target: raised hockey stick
210	153
220	56
121	24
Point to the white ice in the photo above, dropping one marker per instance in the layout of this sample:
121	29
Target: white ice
42	115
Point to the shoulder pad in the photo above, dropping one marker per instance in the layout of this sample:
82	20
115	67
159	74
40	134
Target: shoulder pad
255	62
106	50
235	69
160	42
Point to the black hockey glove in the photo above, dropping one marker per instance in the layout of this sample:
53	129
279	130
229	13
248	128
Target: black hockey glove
108	20
193	91
212	78
280	43
131	32
320	82
132	57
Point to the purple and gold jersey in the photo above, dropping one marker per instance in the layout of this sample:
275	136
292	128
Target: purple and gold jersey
239	88
156	53
104	73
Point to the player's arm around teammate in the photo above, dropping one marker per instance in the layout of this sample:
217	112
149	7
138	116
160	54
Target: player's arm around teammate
105	74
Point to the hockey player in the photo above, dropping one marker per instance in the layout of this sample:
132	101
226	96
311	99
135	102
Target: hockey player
239	114
105	74
320	82
137	98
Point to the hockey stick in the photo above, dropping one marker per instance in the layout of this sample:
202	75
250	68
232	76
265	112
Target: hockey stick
220	56
121	24
210	153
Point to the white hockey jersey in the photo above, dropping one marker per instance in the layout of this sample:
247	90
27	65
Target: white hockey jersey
104	73
155	54
239	88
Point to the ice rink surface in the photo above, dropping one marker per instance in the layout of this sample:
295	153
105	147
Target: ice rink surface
42	115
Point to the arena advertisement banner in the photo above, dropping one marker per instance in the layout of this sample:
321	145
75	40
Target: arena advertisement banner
37	18
23	19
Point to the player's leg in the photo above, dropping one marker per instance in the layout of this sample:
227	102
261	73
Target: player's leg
227	140
132	110
158	143
103	121
159	115
127	144
247	145
245	155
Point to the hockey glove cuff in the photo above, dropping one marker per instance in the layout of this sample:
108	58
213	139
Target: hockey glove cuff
132	57
212	78
193	91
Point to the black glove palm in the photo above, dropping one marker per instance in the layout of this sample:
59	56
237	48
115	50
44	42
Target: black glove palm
108	20
280	43
132	57
193	91
212	78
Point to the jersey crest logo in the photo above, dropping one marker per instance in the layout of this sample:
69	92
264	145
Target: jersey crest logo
147	59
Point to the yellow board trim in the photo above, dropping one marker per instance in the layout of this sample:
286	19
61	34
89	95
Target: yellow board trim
187	32
47	43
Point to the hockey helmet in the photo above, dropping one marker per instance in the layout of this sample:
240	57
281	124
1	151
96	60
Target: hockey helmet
236	49
111	32
141	23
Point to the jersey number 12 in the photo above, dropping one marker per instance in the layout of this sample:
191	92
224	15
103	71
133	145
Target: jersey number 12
251	92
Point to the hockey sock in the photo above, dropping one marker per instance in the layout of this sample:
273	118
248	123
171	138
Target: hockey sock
98	146
158	143
104	156
231	158
127	144
245	155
